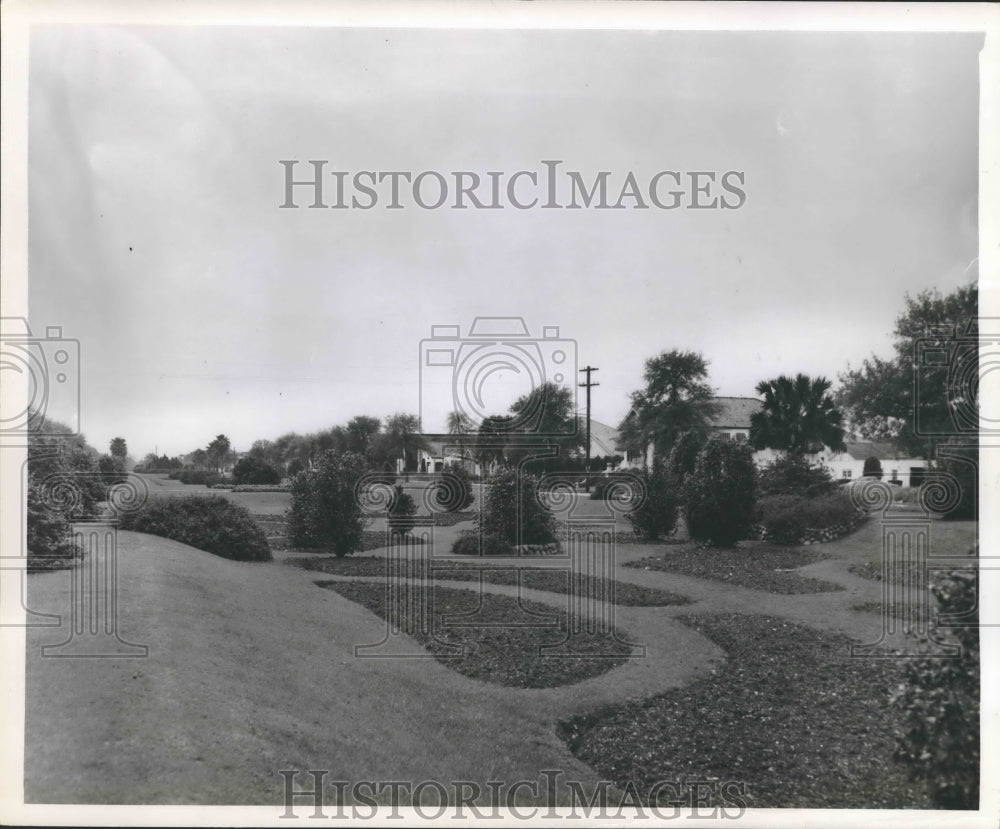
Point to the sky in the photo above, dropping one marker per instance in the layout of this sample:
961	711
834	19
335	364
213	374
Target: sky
201	306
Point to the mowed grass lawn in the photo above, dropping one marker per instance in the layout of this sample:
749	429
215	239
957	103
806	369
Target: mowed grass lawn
252	669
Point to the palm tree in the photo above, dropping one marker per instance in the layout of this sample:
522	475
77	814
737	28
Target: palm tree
798	416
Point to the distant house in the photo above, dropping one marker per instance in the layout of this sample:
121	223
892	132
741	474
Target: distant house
731	421
896	466
444	450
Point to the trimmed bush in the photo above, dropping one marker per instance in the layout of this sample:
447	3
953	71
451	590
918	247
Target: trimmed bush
457	494
872	468
603	487
793	475
964	465
325	511
790	519
720	495
941	701
467	544
251	470
656	516
512	512
402	511
684	456
209	522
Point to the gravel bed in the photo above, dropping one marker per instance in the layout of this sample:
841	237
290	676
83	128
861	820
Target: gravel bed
553	581
790	715
495	646
760	567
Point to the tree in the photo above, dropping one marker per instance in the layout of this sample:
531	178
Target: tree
361	432
656	516
720	495
684	457
881	399
493	432
119	449
798	416
402	438
872	468
325	509
676	399
218	452
545	418
255	470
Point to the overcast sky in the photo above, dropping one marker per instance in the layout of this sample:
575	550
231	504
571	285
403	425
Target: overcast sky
201	307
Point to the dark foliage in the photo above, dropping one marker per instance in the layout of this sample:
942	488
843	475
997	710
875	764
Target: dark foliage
792	474
253	470
656	515
325	510
720	495
787	517
209	522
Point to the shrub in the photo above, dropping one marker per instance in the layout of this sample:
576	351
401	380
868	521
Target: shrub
656	516
251	470
792	474
964	465
512	512
720	495
209	522
872	468
325	510
785	518
684	456
940	698
468	544
456	494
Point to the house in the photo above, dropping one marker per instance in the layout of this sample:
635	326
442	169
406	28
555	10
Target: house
732	421
896	465
444	450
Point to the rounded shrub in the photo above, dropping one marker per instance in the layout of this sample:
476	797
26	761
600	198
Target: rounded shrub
251	470
788	519
684	456
209	522
656	516
720	495
792	474
512	511
456	493
469	543
325	510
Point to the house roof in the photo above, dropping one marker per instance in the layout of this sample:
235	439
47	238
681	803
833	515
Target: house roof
734	412
873	449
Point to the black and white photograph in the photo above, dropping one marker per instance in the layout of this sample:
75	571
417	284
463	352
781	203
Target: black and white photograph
544	413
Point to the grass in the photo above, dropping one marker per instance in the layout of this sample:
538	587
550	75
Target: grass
790	715
502	643
756	565
534	578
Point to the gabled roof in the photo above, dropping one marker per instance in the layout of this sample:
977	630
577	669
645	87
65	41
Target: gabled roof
734	412
882	450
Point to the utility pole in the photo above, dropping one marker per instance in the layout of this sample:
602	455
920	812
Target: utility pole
588	386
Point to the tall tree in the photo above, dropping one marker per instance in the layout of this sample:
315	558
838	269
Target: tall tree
361	432
119	449
677	398
544	418
799	416
914	402
403	438
218	451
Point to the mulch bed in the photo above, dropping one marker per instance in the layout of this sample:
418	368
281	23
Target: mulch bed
495	645
791	715
759	567
553	581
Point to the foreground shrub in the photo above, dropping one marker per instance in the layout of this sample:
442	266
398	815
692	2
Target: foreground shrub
962	462
656	516
325	511
941	701
604	487
512	512
793	475
402	511
209	522
468	544
251	470
720	495
684	456
786	518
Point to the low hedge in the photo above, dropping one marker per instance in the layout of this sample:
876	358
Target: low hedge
209	522
202	477
262	488
793	519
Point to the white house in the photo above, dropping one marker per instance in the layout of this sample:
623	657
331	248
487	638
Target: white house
896	465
